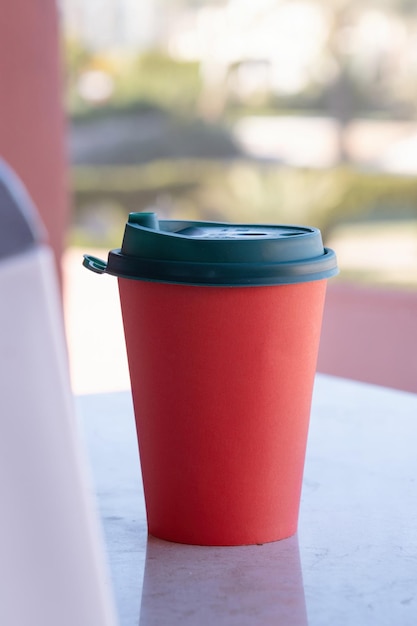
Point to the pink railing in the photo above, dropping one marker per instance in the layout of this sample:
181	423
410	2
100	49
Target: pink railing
370	334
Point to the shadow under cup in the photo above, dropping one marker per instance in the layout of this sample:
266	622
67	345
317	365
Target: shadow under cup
222	325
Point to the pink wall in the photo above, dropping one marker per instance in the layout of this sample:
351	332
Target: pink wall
370	334
32	128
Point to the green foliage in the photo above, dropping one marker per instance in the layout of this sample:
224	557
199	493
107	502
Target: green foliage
156	78
345	82
149	80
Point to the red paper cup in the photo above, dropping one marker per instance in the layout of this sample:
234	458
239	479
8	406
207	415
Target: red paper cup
222	380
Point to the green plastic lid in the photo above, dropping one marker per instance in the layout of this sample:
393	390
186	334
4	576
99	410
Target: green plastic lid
217	254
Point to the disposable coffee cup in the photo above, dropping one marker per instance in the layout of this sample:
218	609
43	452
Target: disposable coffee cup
222	326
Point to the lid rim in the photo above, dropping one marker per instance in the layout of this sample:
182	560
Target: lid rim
222	274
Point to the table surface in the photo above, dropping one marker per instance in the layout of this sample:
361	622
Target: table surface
353	561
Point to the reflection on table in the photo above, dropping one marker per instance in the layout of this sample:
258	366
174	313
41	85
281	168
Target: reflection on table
201	585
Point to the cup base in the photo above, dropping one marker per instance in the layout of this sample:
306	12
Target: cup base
196	539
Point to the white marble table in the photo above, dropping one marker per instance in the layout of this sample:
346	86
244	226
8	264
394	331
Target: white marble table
353	562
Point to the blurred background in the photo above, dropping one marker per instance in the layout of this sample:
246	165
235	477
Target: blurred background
291	111
272	111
